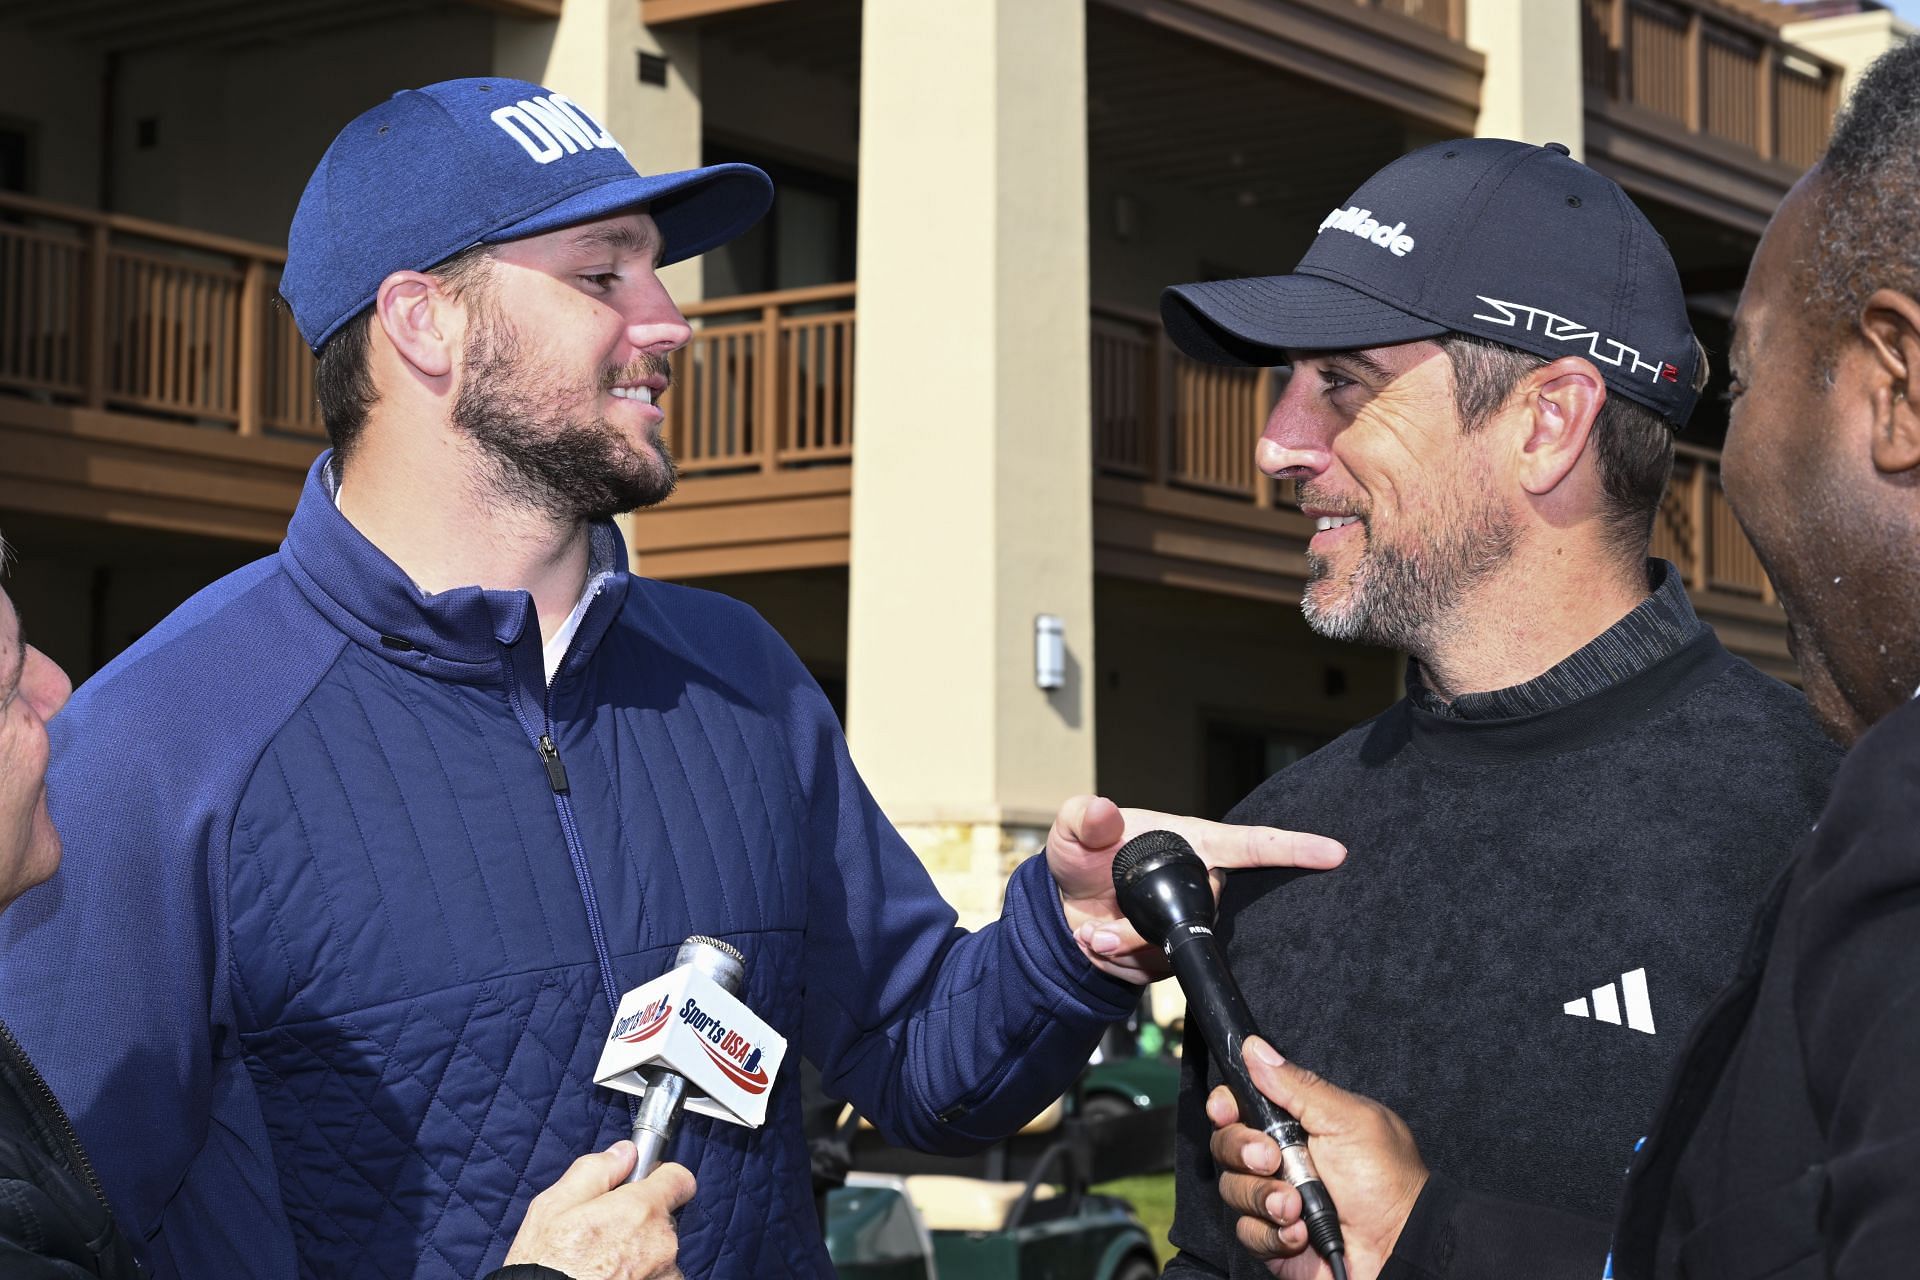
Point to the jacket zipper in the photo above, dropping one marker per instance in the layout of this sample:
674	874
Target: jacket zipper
576	852
76	1154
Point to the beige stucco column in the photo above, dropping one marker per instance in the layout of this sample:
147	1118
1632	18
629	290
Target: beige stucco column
1533	89
972	468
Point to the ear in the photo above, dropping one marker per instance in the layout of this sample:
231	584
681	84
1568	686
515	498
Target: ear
1890	323
419	320
1560	401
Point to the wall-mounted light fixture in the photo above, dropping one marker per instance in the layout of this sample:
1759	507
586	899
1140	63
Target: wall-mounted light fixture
1049	651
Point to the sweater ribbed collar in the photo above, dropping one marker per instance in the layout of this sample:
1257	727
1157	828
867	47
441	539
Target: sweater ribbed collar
1655	629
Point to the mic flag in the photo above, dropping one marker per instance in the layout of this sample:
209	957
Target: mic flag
686	1022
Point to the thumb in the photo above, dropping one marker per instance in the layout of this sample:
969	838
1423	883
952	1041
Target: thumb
593	1175
1320	1107
1092	822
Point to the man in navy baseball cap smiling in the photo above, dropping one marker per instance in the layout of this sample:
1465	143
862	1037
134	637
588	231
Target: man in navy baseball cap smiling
1490	355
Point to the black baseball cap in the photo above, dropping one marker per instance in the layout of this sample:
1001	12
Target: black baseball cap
1518	244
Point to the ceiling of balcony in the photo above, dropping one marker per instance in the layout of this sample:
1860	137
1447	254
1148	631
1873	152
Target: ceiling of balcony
1183	114
123	25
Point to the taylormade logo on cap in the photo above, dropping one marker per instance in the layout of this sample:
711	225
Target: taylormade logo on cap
1362	223
552	126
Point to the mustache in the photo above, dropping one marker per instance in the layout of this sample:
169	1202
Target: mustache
646	366
1307	494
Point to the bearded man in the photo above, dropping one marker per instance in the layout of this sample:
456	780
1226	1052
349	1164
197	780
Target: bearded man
1558	836
366	840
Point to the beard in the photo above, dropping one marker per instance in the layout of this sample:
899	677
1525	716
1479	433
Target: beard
537	456
1400	596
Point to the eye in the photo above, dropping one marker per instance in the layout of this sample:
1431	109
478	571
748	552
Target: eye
1734	391
601	281
1332	380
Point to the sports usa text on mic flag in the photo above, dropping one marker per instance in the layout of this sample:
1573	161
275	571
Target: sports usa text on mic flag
685	1020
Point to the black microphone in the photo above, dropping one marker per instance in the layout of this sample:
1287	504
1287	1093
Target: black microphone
1163	889
666	1096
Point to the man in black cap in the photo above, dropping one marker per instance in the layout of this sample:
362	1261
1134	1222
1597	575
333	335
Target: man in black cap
1786	1143
1558	835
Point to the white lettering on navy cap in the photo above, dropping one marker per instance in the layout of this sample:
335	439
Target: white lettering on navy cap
550	127
1517	315
1362	223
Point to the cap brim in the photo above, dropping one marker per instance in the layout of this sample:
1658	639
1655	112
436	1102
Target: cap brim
695	209
1255	321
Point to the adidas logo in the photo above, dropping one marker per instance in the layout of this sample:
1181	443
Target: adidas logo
1606	1002
1362	223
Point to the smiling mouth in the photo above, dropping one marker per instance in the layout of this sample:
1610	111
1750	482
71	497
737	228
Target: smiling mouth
643	394
1325	523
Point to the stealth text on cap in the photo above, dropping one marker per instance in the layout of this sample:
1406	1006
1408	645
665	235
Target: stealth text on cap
550	127
1362	223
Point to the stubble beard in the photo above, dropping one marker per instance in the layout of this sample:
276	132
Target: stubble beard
1401	597
537	456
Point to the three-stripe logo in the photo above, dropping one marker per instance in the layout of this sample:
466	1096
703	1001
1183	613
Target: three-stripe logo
1606	1002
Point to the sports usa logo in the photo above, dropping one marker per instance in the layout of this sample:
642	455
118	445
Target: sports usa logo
644	1024
736	1056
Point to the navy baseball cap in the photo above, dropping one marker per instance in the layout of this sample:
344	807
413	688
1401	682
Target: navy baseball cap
433	171
1518	244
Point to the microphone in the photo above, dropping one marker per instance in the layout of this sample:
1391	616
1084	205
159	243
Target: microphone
1164	890
666	1089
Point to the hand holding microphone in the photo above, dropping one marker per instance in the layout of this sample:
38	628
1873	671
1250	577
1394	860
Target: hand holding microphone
1163	888
593	1225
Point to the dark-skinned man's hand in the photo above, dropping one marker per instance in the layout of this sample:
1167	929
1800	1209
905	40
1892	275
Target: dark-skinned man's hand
1364	1153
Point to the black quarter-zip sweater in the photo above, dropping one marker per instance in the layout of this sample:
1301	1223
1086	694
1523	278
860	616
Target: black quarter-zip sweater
1534	909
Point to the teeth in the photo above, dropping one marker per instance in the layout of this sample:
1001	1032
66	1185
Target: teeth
1325	523
643	394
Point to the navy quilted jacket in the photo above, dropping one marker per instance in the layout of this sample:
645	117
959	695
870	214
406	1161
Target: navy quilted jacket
327	970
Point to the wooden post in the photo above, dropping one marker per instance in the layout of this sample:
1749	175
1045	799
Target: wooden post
1617	42
97	317
247	365
1767	142
1159	407
1696	79
766	403
1697	550
1262	405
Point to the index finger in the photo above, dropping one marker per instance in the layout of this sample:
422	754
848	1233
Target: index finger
1230	847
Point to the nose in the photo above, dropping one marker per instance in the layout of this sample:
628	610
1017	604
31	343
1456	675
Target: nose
44	685
654	323
1294	445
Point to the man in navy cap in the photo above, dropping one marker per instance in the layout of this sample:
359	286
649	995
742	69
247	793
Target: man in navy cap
1558	836
366	840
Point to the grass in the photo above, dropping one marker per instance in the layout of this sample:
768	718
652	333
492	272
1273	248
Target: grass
1152	1199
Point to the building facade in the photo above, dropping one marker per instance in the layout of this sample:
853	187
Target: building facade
928	402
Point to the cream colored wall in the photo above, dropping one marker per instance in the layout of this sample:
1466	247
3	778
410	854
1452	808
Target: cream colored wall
1853	40
54	86
1172	659
1533	87
239	133
972	504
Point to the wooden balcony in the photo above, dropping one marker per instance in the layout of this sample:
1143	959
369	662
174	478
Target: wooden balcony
1702	106
145	379
1178	501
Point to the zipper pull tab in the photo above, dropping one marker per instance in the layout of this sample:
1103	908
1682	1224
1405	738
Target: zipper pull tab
556	772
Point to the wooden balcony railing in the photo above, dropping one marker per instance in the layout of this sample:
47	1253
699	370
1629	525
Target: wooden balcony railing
1715	73
1160	417
1697	531
766	383
113	312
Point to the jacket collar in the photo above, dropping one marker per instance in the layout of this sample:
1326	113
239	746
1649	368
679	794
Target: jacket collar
466	634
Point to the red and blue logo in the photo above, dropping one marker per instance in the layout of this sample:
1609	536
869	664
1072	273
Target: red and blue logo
645	1024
